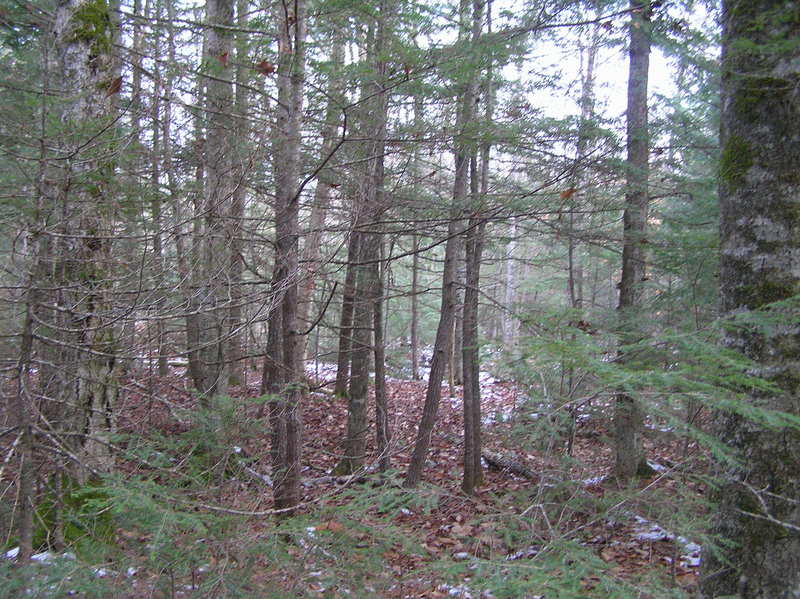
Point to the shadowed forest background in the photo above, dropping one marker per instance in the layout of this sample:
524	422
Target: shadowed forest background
342	298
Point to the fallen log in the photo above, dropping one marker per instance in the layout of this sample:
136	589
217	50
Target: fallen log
501	462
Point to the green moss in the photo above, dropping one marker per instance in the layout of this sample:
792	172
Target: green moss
88	527
758	92
736	159
766	291
92	25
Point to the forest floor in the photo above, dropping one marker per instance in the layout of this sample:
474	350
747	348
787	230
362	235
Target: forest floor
437	542
565	530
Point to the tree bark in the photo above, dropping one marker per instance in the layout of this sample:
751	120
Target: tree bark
755	504
346	317
366	323
81	336
630	458
322	192
219	188
284	371
479	188
447	311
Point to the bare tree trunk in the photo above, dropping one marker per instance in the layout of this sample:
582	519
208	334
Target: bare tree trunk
383	434
627	413
214	291
449	276
415	310
283	365
479	188
322	192
509	318
234	331
346	317
370	206
756	502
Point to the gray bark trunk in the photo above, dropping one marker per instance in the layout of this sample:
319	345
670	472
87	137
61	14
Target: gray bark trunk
755	506
81	335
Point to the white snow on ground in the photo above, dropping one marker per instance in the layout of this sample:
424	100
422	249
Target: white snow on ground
649	531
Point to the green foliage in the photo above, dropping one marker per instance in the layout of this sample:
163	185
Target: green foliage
92	25
58	578
86	522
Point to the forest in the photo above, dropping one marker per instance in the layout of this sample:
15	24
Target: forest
400	299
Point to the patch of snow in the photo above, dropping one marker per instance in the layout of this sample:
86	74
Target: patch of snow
531	551
47	557
11	553
590	482
649	531
657	467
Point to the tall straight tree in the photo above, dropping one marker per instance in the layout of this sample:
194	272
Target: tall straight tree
479	188
80	371
756	505
212	263
627	413
369	206
283	368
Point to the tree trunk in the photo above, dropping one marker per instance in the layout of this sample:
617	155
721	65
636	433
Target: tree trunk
479	188
322	192
447	311
234	331
81	335
756	518
383	434
283	366
414	340
214	289
346	317
627	413
370	206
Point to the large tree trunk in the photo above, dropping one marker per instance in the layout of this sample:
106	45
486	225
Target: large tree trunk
755	507
627	411
80	367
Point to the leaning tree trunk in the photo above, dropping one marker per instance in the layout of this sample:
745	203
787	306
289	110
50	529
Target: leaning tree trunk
756	505
627	411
